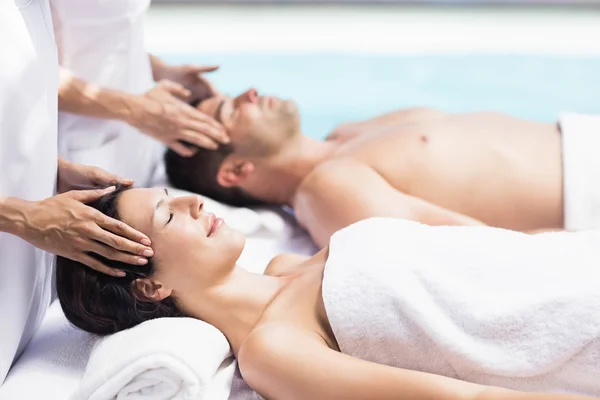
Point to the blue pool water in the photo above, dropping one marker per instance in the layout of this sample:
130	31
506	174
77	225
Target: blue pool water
333	88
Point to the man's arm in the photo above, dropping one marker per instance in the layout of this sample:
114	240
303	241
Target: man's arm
342	192
319	373
548	230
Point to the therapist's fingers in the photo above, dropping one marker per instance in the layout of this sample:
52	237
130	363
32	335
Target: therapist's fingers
100	177
212	89
201	69
205	125
175	89
183	150
121	236
98	266
130	239
112	254
87	196
196	115
200	140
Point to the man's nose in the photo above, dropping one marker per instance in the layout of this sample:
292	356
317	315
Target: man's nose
249	96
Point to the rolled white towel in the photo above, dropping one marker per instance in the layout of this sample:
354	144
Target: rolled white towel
165	358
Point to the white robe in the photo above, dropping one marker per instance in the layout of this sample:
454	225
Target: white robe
28	154
103	42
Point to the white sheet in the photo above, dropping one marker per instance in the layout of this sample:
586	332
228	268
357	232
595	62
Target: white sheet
54	361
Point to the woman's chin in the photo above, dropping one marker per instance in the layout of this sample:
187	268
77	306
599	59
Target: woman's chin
232	238
238	242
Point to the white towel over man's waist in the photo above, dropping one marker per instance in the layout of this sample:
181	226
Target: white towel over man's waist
581	170
483	305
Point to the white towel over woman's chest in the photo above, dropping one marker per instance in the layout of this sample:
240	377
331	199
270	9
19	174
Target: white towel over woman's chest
483	305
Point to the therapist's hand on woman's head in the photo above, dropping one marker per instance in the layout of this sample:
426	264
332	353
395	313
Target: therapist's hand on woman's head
72	176
64	225
162	114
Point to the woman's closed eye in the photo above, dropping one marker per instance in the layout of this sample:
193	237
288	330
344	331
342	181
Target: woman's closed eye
170	218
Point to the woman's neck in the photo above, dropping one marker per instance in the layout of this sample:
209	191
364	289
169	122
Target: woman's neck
237	304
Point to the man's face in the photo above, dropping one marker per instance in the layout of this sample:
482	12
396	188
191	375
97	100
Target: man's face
256	124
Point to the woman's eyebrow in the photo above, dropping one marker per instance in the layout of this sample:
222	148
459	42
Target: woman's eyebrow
159	203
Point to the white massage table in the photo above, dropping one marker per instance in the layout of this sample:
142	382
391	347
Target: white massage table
54	361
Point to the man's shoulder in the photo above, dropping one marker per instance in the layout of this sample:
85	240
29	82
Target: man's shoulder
331	173
322	186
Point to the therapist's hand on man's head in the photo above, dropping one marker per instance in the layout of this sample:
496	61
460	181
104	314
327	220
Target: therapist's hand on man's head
191	77
162	114
64	225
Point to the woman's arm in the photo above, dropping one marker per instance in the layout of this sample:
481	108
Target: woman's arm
285	364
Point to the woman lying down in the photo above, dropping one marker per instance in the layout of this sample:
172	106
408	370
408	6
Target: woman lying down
390	310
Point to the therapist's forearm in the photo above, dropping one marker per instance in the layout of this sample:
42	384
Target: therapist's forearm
158	67
84	98
12	215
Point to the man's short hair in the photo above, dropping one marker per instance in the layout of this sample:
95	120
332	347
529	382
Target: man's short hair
198	174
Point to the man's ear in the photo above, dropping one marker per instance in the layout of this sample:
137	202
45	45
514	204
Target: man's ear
232	172
147	289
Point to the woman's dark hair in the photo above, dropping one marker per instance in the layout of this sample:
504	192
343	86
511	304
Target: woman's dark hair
198	174
103	304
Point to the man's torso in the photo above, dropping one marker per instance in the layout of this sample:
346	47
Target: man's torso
500	170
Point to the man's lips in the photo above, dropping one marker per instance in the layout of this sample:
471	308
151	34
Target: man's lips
269	102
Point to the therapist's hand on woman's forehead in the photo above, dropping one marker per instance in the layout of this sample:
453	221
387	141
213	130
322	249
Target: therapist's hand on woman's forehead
66	226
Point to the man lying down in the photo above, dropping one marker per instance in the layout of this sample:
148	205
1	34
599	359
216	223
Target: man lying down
418	164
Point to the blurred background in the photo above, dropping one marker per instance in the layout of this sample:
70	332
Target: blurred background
344	60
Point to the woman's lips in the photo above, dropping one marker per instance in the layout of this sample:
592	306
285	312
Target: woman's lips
216	224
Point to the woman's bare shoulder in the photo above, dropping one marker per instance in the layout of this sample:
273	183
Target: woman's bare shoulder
269	348
285	263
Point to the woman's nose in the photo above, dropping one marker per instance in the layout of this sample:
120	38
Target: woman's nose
249	96
192	204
